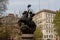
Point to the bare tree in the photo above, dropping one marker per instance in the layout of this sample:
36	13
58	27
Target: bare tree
3	8
3	5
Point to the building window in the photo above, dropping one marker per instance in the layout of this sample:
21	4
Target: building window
47	26
46	31
49	20
49	31
45	36
50	36
49	17
40	15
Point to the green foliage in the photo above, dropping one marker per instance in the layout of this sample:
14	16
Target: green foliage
57	22
38	33
7	32
3	34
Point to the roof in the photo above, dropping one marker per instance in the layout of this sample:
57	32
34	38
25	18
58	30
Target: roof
10	14
46	10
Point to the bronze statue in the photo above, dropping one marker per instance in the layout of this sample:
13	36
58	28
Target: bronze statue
27	25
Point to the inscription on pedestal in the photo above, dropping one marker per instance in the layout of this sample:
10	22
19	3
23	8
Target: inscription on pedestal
27	37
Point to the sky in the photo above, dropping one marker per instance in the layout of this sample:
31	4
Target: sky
16	6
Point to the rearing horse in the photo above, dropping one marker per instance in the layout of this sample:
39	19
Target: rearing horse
29	25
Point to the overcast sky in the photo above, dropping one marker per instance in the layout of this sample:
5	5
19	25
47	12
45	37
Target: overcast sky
20	5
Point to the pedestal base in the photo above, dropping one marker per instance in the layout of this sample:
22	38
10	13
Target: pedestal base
27	37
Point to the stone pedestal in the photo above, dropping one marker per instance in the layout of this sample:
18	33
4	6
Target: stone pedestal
27	37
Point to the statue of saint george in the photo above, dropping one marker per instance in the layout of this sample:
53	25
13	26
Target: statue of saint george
27	25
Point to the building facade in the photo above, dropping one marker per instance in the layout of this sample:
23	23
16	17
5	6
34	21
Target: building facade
44	20
10	22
